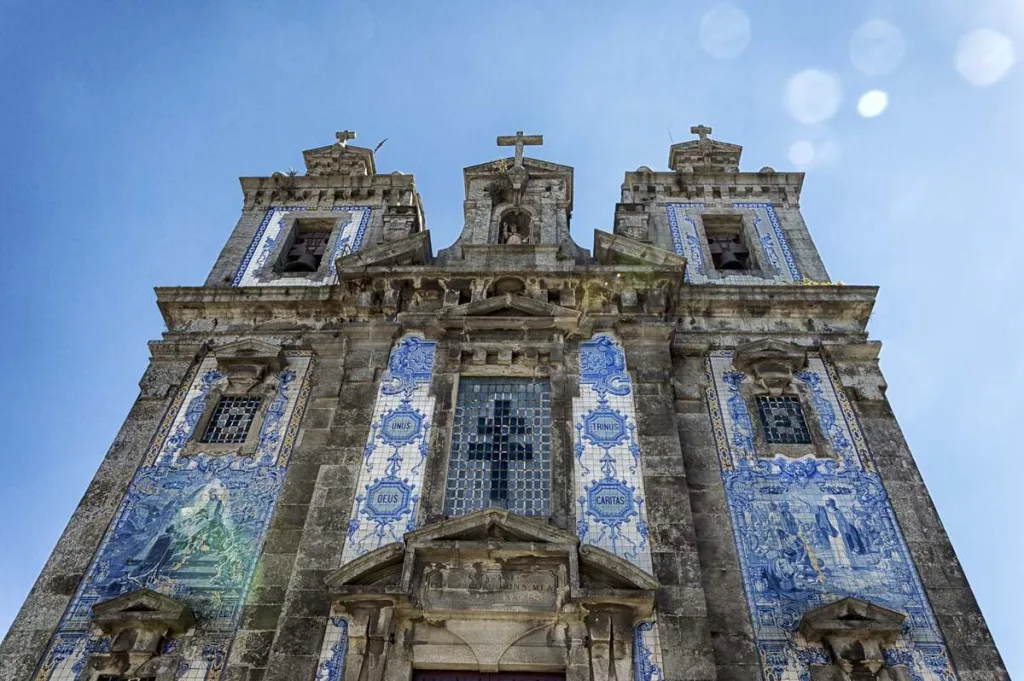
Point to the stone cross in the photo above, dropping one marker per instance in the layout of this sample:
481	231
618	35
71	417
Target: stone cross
344	136
702	131
499	448
519	140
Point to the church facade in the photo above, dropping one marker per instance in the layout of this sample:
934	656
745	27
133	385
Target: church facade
355	458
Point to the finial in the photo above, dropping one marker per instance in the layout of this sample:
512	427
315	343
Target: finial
701	131
344	136
519	140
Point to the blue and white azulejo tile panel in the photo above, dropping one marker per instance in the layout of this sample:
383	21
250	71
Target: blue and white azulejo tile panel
647	652
811	531
355	220
331	666
609	481
391	474
191	527
687	240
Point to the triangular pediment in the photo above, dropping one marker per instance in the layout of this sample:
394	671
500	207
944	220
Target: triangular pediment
502	164
510	305
491	524
145	608
339	159
414	249
615	249
851	615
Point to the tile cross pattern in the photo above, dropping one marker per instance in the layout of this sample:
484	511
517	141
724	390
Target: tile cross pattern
501	447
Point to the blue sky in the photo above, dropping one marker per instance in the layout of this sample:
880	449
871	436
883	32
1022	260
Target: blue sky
126	125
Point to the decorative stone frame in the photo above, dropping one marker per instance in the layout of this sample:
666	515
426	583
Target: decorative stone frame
290	226
771	366
537	359
856	633
543	603
137	623
500	210
251	369
758	258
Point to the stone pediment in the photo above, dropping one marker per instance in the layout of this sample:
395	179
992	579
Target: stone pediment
414	249
705	155
614	249
851	616
510	305
770	362
340	158
142	609
492	554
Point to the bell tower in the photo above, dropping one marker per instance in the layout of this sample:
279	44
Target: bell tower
520	204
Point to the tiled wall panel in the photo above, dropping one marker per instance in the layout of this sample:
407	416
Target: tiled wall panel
609	476
811	531
353	229
190	527
687	241
396	449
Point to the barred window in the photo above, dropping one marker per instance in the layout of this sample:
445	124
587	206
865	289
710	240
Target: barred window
501	447
231	420
783	420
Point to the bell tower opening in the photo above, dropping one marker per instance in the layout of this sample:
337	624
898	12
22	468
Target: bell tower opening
308	246
724	234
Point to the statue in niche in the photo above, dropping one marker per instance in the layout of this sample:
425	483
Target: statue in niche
515	229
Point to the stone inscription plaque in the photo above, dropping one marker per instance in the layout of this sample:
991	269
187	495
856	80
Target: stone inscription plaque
469	589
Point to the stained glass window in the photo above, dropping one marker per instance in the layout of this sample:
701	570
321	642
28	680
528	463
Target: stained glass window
783	420
231	420
501	447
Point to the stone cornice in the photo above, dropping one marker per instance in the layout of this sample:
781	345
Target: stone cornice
835	314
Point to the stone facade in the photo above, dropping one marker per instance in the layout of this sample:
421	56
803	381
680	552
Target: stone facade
353	458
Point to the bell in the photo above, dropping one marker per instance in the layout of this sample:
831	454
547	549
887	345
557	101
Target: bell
306	262
728	261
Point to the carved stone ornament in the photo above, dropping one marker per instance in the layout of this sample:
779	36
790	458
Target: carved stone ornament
492	591
856	634
771	363
246	363
137	624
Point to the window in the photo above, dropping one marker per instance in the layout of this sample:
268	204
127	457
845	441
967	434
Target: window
308	246
724	234
231	419
783	420
501	447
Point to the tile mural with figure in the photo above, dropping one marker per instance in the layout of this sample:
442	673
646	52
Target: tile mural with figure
190	527
811	531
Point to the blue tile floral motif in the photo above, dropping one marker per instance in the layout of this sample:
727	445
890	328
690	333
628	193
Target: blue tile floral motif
684	238
333	651
647	652
189	527
688	242
608	478
813	530
353	230
390	478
